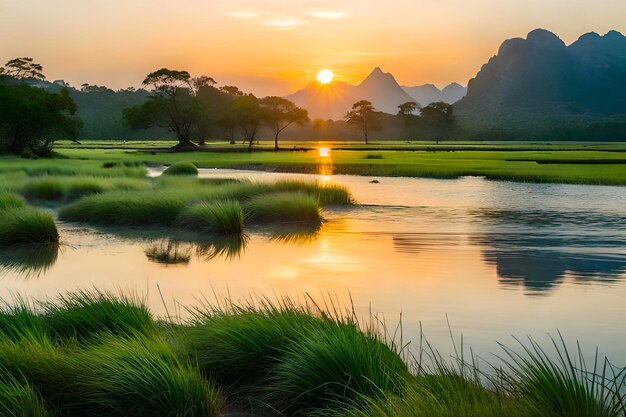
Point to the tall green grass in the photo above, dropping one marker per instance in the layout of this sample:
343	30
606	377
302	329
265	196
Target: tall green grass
562	384
125	209
181	168
139	376
27	226
18	398
220	217
10	201
84	314
284	207
91	353
72	188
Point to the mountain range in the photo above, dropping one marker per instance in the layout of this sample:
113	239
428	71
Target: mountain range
332	101
429	93
540	82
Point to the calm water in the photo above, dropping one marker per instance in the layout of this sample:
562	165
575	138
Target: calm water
498	259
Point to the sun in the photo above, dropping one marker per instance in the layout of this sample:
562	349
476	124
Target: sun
325	76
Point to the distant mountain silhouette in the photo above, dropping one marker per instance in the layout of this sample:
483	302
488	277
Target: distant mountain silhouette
428	93
541	82
332	101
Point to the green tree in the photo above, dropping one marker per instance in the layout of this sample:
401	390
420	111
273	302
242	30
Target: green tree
172	105
364	117
280	113
31	119
247	115
406	113
439	117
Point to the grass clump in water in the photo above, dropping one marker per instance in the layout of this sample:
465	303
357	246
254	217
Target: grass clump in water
326	194
220	217
125	209
182	168
27	226
284	207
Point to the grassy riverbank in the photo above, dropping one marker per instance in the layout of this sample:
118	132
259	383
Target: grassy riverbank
532	162
106	355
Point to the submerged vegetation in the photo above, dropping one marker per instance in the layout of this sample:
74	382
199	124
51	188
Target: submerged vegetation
106	355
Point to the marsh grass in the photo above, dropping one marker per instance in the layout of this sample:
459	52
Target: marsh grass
18	398
139	376
10	201
84	314
99	354
219	217
72	188
27	226
562	383
125	209
182	168
284	207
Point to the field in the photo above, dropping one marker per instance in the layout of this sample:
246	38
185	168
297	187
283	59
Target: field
532	162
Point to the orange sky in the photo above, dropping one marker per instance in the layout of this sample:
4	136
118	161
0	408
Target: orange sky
274	47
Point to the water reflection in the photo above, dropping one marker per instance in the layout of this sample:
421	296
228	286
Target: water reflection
540	261
169	252
295	234
227	247
28	262
541	270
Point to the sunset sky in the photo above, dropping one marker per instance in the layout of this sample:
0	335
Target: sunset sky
275	47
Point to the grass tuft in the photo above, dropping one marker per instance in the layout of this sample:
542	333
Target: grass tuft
18	398
139	376
27	226
284	207
84	314
10	201
182	168
125	209
220	217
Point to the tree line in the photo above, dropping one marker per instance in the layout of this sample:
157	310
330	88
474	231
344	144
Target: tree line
193	108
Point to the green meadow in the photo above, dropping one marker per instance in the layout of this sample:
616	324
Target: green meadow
531	162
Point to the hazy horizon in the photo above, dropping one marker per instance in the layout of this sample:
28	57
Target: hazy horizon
270	48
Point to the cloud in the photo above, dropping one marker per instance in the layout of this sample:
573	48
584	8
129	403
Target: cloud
328	14
243	15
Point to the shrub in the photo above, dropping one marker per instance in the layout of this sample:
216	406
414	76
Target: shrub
283	207
181	168
27	226
221	217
